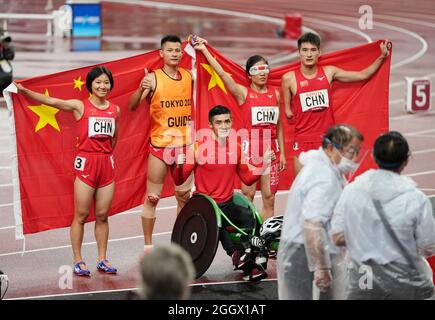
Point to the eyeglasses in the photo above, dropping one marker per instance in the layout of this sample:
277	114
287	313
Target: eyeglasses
256	70
350	152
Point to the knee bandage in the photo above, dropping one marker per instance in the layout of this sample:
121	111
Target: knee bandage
149	208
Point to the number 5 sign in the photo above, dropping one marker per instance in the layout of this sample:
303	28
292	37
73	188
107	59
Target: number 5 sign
417	94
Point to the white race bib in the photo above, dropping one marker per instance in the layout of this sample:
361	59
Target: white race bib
100	127
79	163
264	115
314	100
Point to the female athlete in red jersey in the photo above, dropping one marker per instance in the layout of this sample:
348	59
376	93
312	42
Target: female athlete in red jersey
260	111
97	121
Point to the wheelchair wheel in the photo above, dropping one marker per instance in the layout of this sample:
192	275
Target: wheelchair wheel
197	231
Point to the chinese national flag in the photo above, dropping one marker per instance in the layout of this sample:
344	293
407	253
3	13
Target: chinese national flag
46	145
363	105
45	138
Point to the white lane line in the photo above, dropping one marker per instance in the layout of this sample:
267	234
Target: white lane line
84	244
135	289
70	294
339	26
416	56
257	195
410	33
423	151
278	21
423	173
6	185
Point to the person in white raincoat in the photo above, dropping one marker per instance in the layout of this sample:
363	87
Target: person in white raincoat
386	223
304	254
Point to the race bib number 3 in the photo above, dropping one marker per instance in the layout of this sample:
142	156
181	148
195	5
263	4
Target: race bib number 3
314	100
100	127
264	115
79	163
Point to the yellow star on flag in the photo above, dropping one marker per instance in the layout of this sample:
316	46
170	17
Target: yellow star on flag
215	80
78	83
46	115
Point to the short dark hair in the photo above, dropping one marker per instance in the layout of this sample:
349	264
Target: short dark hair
309	37
340	136
169	38
253	60
166	272
391	150
217	110
95	73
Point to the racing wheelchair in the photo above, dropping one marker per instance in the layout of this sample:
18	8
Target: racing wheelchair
197	229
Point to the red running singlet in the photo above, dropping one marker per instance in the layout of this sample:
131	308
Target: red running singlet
96	128
312	107
260	111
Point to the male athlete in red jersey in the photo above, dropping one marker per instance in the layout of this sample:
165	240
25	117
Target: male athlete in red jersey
307	93
217	159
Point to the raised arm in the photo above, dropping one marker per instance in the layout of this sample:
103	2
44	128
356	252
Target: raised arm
286	82
238	91
75	106
147	85
335	73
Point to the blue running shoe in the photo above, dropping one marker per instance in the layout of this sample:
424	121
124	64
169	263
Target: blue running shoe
79	271
104	267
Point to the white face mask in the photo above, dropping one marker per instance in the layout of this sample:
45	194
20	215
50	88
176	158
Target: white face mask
346	165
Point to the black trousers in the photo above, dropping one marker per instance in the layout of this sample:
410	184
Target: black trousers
241	217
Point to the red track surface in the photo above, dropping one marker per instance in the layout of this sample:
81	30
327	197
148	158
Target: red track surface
410	26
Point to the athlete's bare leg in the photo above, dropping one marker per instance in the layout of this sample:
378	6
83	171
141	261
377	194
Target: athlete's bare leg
248	191
268	198
182	193
103	201
83	195
157	170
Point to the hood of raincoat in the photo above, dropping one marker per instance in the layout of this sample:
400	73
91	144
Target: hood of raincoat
384	185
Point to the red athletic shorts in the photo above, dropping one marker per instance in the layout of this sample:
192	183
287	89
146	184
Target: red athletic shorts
95	169
299	147
255	150
167	155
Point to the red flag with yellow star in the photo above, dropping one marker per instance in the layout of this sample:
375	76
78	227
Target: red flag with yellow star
363	105
46	145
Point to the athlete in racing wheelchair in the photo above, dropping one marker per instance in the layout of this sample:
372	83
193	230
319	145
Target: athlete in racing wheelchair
215	161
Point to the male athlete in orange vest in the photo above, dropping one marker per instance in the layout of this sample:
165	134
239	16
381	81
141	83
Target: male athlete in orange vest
308	91
170	92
